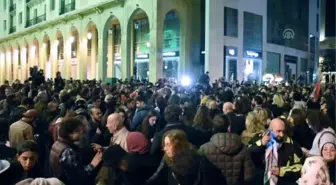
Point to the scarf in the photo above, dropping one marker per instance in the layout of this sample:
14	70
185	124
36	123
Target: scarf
314	172
271	159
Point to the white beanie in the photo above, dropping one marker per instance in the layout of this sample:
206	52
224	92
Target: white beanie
41	181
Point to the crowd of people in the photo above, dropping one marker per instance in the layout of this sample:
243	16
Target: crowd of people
140	133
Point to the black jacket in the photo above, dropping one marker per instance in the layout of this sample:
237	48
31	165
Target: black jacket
7	152
237	123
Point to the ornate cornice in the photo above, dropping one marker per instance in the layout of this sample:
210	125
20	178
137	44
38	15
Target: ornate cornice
34	2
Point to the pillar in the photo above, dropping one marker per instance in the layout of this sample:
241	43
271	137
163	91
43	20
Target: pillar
82	56
110	58
53	56
156	44
9	66
101	55
2	67
15	64
187	35
24	64
67	58
42	57
126	50
94	47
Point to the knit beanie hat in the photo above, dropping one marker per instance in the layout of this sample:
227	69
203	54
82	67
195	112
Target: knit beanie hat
40	181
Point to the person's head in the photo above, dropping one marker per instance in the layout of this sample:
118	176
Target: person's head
140	101
96	114
202	118
172	113
96	101
151	118
71	129
254	123
27	102
130	103
30	115
278	100
227	107
174	141
316	120
137	143
27	155
122	113
114	123
52	106
8	91
329	152
221	124
297	116
277	127
58	74
297	96
257	100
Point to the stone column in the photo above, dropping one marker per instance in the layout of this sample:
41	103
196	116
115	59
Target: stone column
126	50
24	65
110	58
101	62
94	45
67	58
82	56
53	57
156	41
9	66
15	64
2	65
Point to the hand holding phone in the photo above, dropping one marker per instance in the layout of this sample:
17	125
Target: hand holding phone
266	137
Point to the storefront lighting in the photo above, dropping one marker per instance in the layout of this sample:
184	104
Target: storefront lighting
311	35
110	31
136	25
203	52
117	58
44	45
142	56
169	54
16	52
268	77
24	50
148	44
72	39
9	53
89	35
252	54
57	42
33	48
232	52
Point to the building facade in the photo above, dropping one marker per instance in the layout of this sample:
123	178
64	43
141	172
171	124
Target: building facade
246	39
99	39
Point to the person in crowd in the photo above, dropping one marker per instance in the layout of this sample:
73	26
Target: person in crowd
59	82
324	134
314	172
256	123
182	164
94	123
172	116
237	121
96	102
228	153
123	115
301	133
202	119
329	155
6	151
141	112
298	102
148	126
22	130
41	102
16	114
118	130
278	159
65	160
26	165
40	181
257	101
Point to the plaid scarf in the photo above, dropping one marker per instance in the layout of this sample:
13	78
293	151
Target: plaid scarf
271	159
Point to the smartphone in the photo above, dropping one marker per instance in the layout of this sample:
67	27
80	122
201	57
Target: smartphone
267	133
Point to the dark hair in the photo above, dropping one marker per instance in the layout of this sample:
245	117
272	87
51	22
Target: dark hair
297	96
202	118
27	101
298	116
95	98
317	120
145	123
258	99
4	127
140	98
221	124
69	126
174	100
172	113
27	146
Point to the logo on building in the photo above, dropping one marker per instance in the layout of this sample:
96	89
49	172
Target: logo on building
288	34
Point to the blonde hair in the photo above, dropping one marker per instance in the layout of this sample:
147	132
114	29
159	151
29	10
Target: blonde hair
256	121
277	100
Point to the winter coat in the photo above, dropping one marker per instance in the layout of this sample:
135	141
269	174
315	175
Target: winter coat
139	116
227	152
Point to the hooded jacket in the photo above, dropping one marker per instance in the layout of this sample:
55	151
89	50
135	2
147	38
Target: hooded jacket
227	152
139	116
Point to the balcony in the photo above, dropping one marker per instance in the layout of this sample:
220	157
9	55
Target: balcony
27	1
12	29
12	8
67	8
36	20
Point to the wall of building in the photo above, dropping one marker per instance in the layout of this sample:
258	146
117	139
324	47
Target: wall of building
89	16
215	40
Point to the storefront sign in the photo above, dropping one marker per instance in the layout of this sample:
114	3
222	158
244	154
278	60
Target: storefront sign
252	54
142	56
288	34
171	54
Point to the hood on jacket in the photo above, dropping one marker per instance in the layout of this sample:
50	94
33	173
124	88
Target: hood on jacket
228	143
145	108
